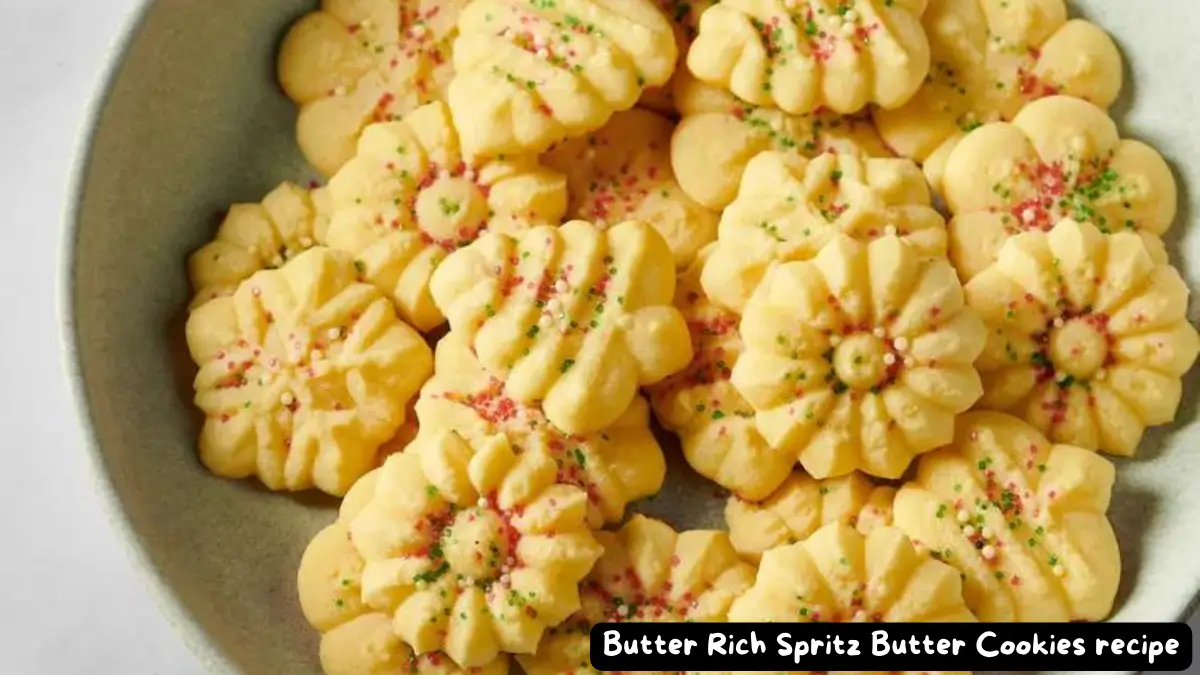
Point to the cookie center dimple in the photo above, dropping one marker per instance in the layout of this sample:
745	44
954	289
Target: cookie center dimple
859	362
474	544
1078	348
451	209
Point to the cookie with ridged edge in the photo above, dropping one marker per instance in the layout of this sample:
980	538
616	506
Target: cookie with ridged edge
615	466
576	318
789	207
410	197
1088	337
304	374
1022	520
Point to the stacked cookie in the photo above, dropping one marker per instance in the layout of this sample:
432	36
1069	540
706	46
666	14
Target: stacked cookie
886	268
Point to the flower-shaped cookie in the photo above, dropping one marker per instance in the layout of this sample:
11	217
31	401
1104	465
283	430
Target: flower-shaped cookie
1059	158
788	208
304	374
1088	336
1023	521
574	317
801	55
409	198
253	237
473	548
859	358
840	575
615	466
685	20
718	135
356	638
714	423
353	63
802	505
531	73
989	60
623	172
648	573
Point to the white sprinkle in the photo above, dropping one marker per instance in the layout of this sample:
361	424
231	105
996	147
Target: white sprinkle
851	15
561	286
1059	323
860	616
469	174
987	533
339	90
890	230
969	531
306	242
334	333
505	579
287	399
482	503
543	53
554	305
539	41
1058	570
545	321
1029	215
880	332
835	340
900	343
317	355
417	30
889	359
848	29
601	224
421	583
963	516
623	610
989	552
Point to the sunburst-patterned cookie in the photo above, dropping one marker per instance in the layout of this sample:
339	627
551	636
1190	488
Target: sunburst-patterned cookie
253	237
1088	336
357	639
615	466
576	318
304	374
788	208
837	574
1059	158
352	63
718	135
802	505
531	73
802	55
714	423
1022	520
859	358
649	572
623	172
471	547
410	197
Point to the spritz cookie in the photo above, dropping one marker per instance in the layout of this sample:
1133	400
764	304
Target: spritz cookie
860	358
531	73
685	20
718	135
304	374
615	466
837	575
1059	158
789	207
714	423
253	237
623	172
802	505
802	55
353	63
649	572
473	548
357	639
1022	520
576	318
991	59
1088	337
410	197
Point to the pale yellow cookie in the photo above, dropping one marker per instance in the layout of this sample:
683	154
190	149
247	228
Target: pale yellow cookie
788	208
802	55
531	73
623	172
990	59
355	62
1088	336
802	505
576	318
615	466
409	198
255	237
356	639
304	374
472	547
649	572
685	20
1059	158
718	135
1022	520
860	358
837	574
714	423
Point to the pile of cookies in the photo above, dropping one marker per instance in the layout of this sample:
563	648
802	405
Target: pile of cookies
885	267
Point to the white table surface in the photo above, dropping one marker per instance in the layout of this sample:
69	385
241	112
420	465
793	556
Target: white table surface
72	602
